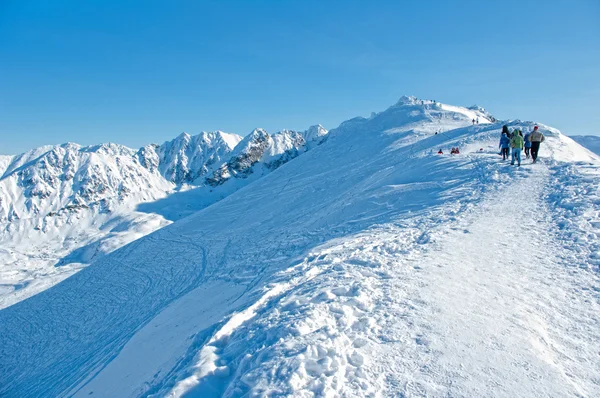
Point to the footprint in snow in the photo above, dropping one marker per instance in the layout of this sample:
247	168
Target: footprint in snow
356	359
424	238
345	291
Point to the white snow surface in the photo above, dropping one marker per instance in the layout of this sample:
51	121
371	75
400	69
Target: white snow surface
368	266
5	160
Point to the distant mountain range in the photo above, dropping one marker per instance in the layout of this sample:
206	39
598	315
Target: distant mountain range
66	205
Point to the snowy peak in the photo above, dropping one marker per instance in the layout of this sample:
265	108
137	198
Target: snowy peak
49	179
187	158
259	152
71	175
407	100
410	114
315	133
419	115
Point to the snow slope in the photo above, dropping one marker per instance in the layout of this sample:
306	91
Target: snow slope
5	160
65	206
368	266
591	142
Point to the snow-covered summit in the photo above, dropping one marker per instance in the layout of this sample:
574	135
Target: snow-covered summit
49	179
422	117
259	152
407	100
315	133
187	158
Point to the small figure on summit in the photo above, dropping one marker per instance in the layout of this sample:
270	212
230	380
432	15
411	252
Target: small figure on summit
504	142
536	138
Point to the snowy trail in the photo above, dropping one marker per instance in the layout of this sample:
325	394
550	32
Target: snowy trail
496	313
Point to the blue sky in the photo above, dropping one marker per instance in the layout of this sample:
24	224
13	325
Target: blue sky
135	72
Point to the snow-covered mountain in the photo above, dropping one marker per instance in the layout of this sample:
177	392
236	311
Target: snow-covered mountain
591	142
269	151
368	266
63	206
186	158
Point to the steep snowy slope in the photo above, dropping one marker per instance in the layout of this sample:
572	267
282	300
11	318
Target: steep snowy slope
62	207
369	266
591	142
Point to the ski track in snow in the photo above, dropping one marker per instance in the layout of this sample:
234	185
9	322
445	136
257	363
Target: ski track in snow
410	278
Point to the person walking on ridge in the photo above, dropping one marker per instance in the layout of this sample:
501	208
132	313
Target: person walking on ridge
536	138
516	143
527	145
504	142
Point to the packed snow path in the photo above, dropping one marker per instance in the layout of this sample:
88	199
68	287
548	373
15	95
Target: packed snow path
495	312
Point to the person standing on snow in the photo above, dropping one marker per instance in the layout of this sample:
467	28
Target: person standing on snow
516	143
527	145
504	143
536	138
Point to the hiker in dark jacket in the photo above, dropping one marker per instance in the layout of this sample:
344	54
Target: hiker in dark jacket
527	145
504	143
536	138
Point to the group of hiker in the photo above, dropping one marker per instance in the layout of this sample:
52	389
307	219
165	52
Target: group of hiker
515	140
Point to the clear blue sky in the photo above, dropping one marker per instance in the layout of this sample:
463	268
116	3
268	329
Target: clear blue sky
135	72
